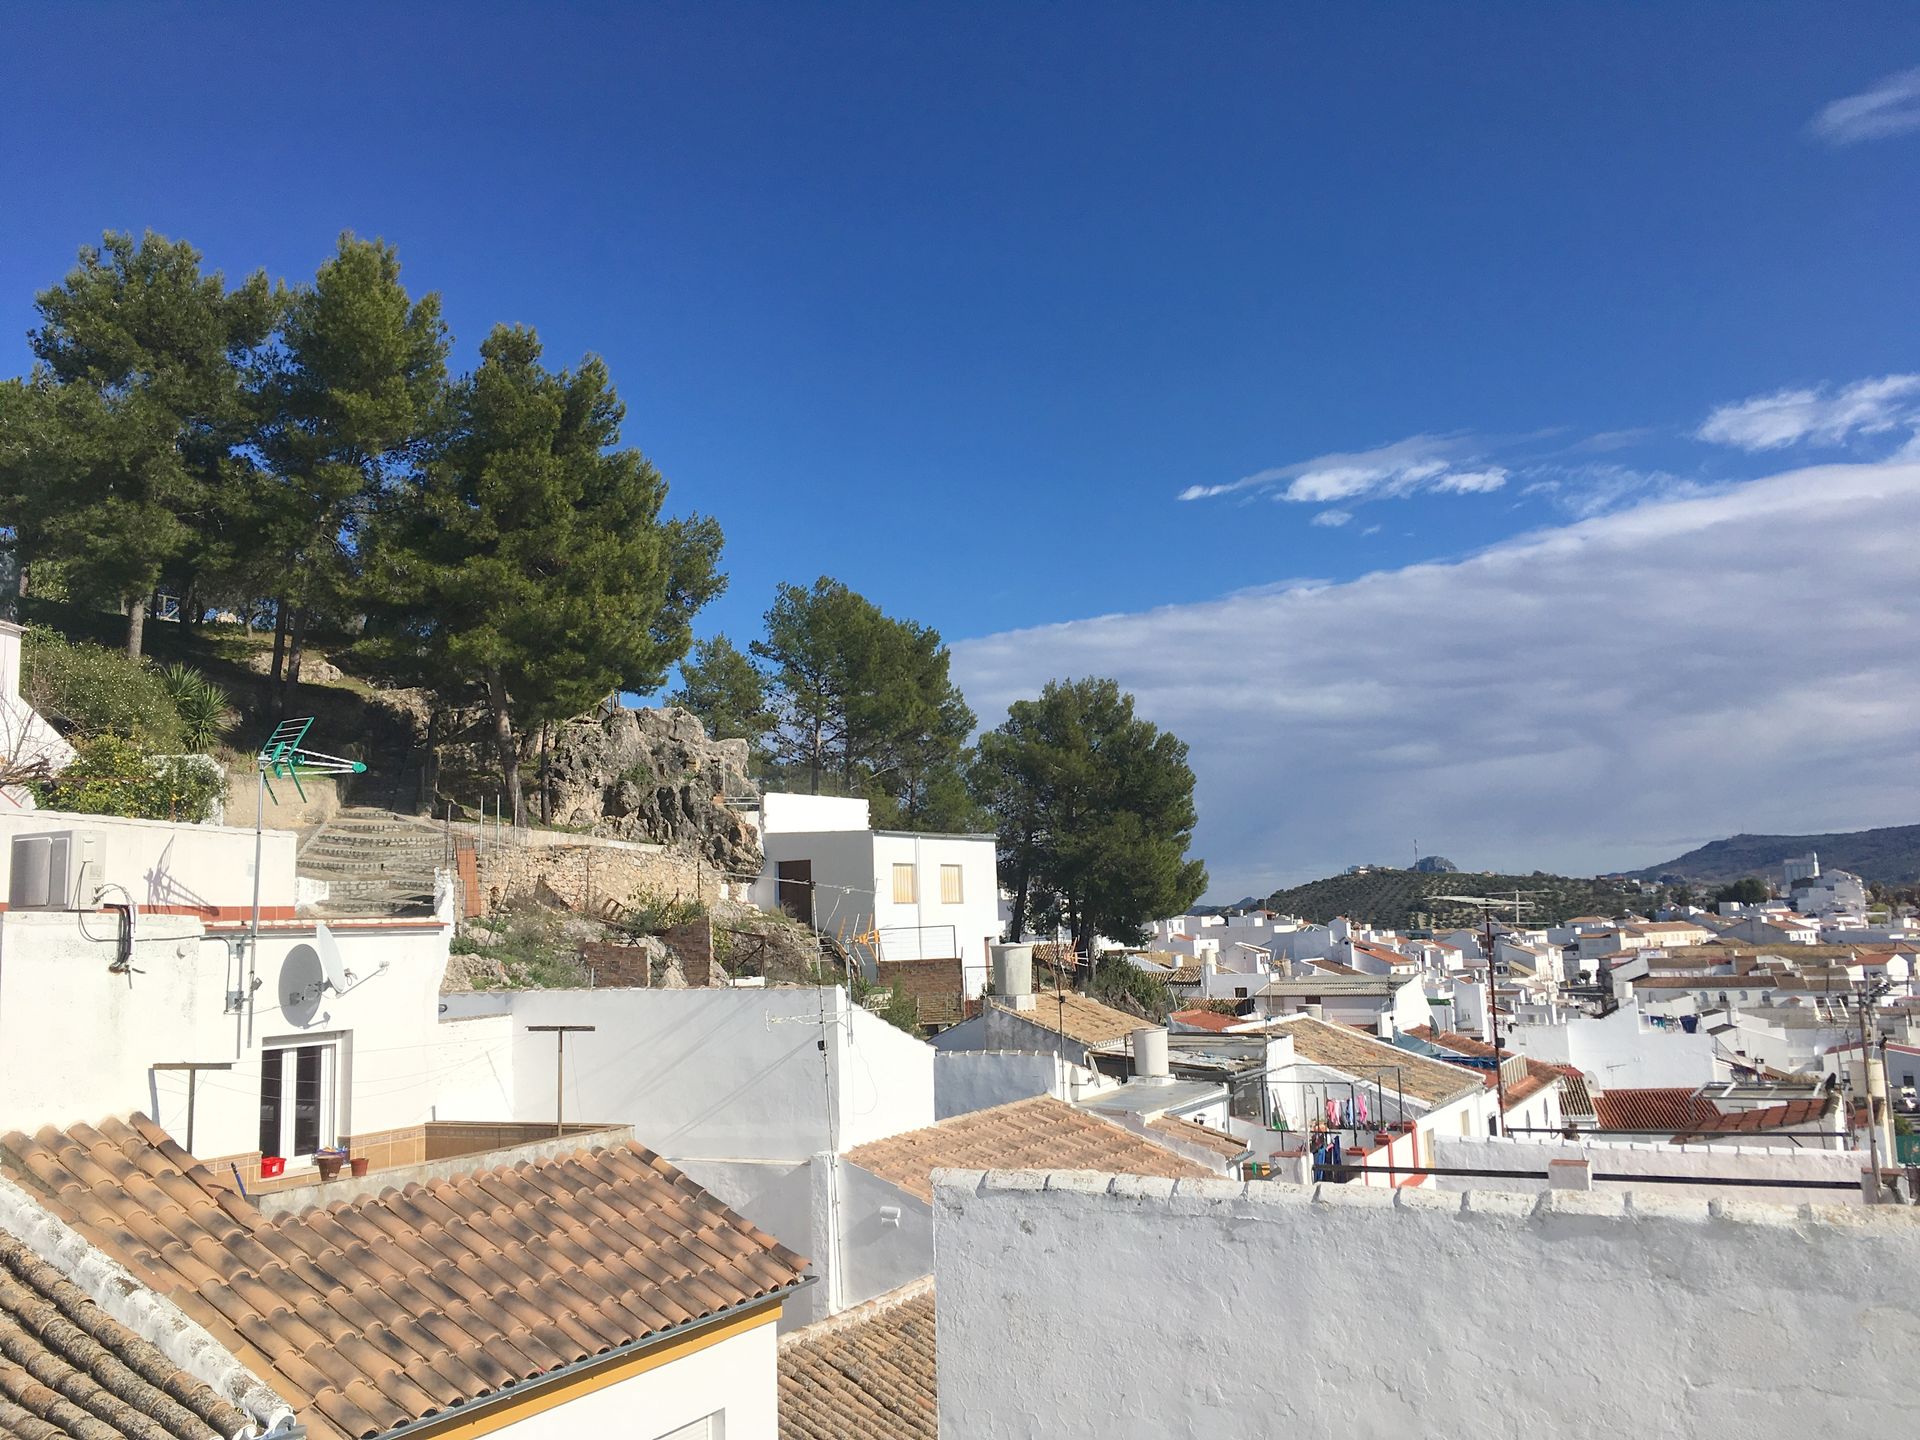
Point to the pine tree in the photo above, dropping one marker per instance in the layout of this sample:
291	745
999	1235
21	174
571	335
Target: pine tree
528	562
128	428
726	690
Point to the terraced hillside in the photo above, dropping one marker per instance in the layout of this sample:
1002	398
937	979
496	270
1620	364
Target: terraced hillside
1400	899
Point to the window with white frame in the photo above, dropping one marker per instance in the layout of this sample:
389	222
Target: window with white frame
707	1427
905	892
952	887
297	1093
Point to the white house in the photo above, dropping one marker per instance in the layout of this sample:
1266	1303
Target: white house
887	895
26	740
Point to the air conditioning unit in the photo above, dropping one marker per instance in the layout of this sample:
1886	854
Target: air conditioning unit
55	871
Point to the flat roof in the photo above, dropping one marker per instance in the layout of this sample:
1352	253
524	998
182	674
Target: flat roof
1138	1097
1332	985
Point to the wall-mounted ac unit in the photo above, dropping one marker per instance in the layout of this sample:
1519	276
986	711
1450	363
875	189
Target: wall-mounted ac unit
55	871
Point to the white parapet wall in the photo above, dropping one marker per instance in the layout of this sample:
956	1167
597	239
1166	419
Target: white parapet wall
1830	1177
1077	1305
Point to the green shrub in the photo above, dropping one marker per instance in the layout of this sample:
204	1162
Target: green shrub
112	775
205	712
649	914
91	690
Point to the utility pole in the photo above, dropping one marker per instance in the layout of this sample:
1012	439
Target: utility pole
193	1069
1493	1026
1874	1192
560	1033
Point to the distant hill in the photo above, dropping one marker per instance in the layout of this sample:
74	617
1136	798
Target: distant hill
1399	899
1889	856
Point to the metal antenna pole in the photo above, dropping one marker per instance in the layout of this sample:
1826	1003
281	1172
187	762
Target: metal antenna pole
1866	1087
560	1033
253	927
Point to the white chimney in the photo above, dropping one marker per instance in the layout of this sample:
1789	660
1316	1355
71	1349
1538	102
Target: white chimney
1316	1011
1150	1053
1013	975
1383	1025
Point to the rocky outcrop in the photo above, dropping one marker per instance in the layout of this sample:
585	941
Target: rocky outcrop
654	775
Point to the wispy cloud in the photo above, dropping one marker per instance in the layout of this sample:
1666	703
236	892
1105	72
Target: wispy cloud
1333	518
1477	704
1890	107
1444	463
1820	415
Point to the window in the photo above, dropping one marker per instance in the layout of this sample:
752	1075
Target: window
708	1427
904	891
952	891
296	1100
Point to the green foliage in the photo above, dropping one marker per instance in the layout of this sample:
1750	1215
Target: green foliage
648	913
531	946
204	710
726	690
1094	811
121	447
91	690
1751	890
1403	899
863	703
112	775
530	560
1118	982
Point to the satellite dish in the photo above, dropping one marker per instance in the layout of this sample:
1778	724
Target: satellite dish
303	979
330	963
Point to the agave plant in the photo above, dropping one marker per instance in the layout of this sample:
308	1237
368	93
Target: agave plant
205	711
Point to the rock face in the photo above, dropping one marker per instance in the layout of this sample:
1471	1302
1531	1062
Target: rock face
654	775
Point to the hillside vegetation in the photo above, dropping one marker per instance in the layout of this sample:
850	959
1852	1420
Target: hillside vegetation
1888	856
1400	899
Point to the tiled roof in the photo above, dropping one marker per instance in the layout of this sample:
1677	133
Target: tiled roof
1540	1075
1575	1098
71	1370
1205	1136
390	1308
1334	967
1038	1134
1078	1018
1652	1110
1188	974
1207	1020
1431	1081
1784	1116
867	1372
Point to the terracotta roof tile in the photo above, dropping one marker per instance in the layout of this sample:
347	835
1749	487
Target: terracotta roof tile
69	1369
868	1372
1077	1017
1188	1132
1206	1020
391	1307
1038	1134
1431	1081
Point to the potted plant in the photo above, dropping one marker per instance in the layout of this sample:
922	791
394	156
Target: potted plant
358	1164
329	1163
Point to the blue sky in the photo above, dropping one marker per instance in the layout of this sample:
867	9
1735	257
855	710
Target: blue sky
956	303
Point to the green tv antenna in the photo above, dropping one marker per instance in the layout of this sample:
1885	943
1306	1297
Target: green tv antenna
283	758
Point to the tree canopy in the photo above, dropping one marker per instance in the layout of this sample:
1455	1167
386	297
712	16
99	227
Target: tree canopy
864	702
1094	811
529	559
726	690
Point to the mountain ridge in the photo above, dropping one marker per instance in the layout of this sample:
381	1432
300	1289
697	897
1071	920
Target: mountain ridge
1889	855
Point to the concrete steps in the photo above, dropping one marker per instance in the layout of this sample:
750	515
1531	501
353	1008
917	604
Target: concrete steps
374	862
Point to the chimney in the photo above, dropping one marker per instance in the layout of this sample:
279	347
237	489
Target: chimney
1150	1053
1383	1025
1316	1011
1013	975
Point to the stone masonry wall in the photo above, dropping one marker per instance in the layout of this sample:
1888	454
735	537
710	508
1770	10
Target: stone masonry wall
587	878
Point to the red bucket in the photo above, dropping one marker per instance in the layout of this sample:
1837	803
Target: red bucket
272	1167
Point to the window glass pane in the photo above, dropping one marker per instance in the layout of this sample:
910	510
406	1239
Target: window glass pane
306	1100
903	893
270	1081
950	885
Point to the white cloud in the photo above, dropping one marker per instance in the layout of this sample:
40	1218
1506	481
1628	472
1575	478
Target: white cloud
1420	462
1333	517
1603	694
1890	107
1820	416
1471	482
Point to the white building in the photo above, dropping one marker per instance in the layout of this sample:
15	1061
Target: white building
897	893
27	742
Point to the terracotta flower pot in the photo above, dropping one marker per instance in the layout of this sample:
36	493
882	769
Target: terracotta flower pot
358	1164
329	1165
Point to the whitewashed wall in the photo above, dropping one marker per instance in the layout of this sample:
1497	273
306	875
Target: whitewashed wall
1617	1052
163	864
969	1080
738	1377
1707	1162
1275	1310
78	1042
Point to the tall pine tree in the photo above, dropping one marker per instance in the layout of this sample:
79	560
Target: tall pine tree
528	562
